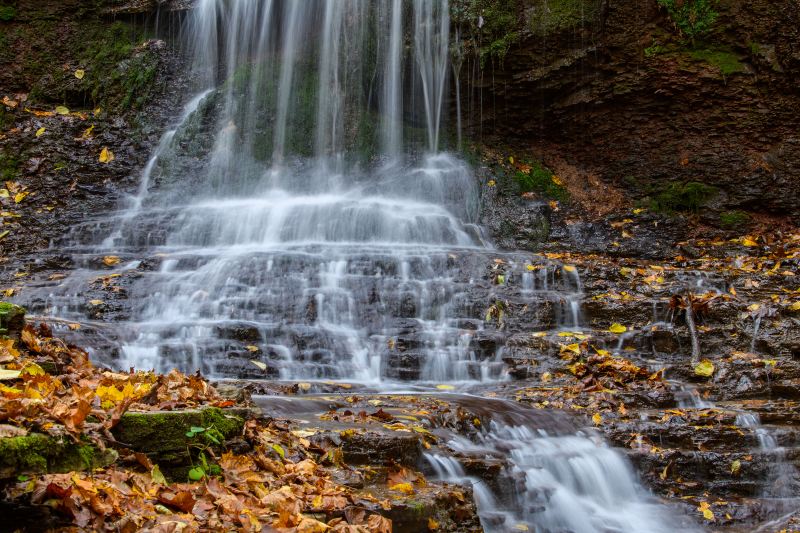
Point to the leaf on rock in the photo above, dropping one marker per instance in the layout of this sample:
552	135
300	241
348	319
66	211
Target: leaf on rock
106	155
617	328
704	368
61	110
40	132
80	73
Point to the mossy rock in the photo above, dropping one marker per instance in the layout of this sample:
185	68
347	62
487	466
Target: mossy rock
162	434
40	454
12	318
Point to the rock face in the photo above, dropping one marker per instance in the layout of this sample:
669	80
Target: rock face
612	87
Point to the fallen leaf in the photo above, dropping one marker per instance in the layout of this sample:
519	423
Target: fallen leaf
106	155
40	132
736	467
111	260
445	387
61	110
617	328
597	419
20	196
405	488
704	368
259	364
80	73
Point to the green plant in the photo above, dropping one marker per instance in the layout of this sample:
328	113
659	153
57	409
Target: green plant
691	197
206	437
498	28
692	18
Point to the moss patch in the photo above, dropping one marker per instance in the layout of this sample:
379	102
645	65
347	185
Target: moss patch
12	318
691	197
734	219
163	433
37	453
727	62
540	179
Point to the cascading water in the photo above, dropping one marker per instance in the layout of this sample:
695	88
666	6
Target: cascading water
303	206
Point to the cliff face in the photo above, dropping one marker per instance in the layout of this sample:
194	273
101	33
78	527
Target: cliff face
616	89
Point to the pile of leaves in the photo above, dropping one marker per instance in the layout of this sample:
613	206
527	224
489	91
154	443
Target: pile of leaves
278	484
77	398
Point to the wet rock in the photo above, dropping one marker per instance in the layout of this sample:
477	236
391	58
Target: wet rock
372	447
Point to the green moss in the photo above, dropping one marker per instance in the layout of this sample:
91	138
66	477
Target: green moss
12	318
734	219
540	180
9	167
37	453
164	433
727	62
691	197
552	16
7	13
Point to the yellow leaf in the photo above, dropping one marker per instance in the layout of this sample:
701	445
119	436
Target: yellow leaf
96	302
74	327
638	211
433	525
520	527
597	419
753	307
32	369
20	196
279	450
61	110
251	348
736	466
111	260
80	73
664	473
748	241
40	132
574	348
569	268
617	328
87	132
530	268
539	334
511	160
4	233
546	377
445	387
4	193
704	368
259	364
491	183
794	307
405	488
557	181
706	510
106	155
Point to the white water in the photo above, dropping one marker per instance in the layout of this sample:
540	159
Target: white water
555	483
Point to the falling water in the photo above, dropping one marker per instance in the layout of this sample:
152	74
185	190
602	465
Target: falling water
554	483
